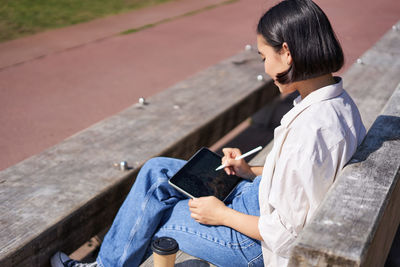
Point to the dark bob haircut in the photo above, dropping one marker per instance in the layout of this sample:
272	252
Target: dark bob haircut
312	43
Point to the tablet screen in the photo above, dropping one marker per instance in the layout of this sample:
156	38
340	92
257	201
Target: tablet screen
198	177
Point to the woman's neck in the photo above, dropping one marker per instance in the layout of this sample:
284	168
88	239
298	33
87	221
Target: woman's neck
308	86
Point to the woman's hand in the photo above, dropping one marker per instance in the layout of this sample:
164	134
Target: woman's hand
208	210
236	167
212	211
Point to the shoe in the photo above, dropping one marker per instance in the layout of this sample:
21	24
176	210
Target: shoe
62	260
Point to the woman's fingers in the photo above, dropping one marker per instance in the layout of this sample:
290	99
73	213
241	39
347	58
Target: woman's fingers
194	210
227	151
235	167
232	152
226	160
195	217
229	170
233	163
193	203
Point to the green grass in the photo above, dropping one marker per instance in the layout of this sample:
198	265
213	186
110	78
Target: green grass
24	17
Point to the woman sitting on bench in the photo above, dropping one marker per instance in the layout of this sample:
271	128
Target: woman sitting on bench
260	221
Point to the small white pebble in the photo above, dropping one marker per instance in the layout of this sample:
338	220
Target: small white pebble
142	101
260	77
395	28
247	47
359	61
176	107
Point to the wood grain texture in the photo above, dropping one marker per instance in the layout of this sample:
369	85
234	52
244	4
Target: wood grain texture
356	223
259	159
60	198
372	82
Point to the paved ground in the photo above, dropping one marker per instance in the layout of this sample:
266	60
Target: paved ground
54	84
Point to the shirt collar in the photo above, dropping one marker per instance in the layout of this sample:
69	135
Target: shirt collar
318	95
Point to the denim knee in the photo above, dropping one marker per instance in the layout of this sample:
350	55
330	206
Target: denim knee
163	162
151	163
167	166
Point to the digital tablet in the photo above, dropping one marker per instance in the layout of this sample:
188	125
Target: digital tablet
198	178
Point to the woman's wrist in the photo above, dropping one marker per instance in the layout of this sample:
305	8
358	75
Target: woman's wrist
241	222
250	175
226	216
252	172
256	170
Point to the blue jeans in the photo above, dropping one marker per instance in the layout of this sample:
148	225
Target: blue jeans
153	209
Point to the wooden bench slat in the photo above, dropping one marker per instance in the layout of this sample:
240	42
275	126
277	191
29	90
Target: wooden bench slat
380	64
70	192
356	223
372	82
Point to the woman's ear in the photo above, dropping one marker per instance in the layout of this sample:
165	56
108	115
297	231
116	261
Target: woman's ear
285	54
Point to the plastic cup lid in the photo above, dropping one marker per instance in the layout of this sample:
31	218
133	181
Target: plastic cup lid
165	246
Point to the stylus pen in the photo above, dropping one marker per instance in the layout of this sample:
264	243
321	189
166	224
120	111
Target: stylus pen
242	156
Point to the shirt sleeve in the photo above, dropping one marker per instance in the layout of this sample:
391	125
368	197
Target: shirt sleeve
302	176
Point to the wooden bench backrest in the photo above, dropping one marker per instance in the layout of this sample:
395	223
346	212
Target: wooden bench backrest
356	223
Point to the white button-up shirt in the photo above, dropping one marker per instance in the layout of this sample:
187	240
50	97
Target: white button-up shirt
316	138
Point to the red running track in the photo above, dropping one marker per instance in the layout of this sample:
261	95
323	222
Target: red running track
57	83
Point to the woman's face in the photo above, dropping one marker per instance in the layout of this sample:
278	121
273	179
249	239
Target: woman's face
275	62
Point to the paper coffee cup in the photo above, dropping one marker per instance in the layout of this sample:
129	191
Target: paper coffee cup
164	251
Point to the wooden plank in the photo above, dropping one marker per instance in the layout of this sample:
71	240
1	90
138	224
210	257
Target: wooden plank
372	82
259	159
65	195
356	223
381	65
